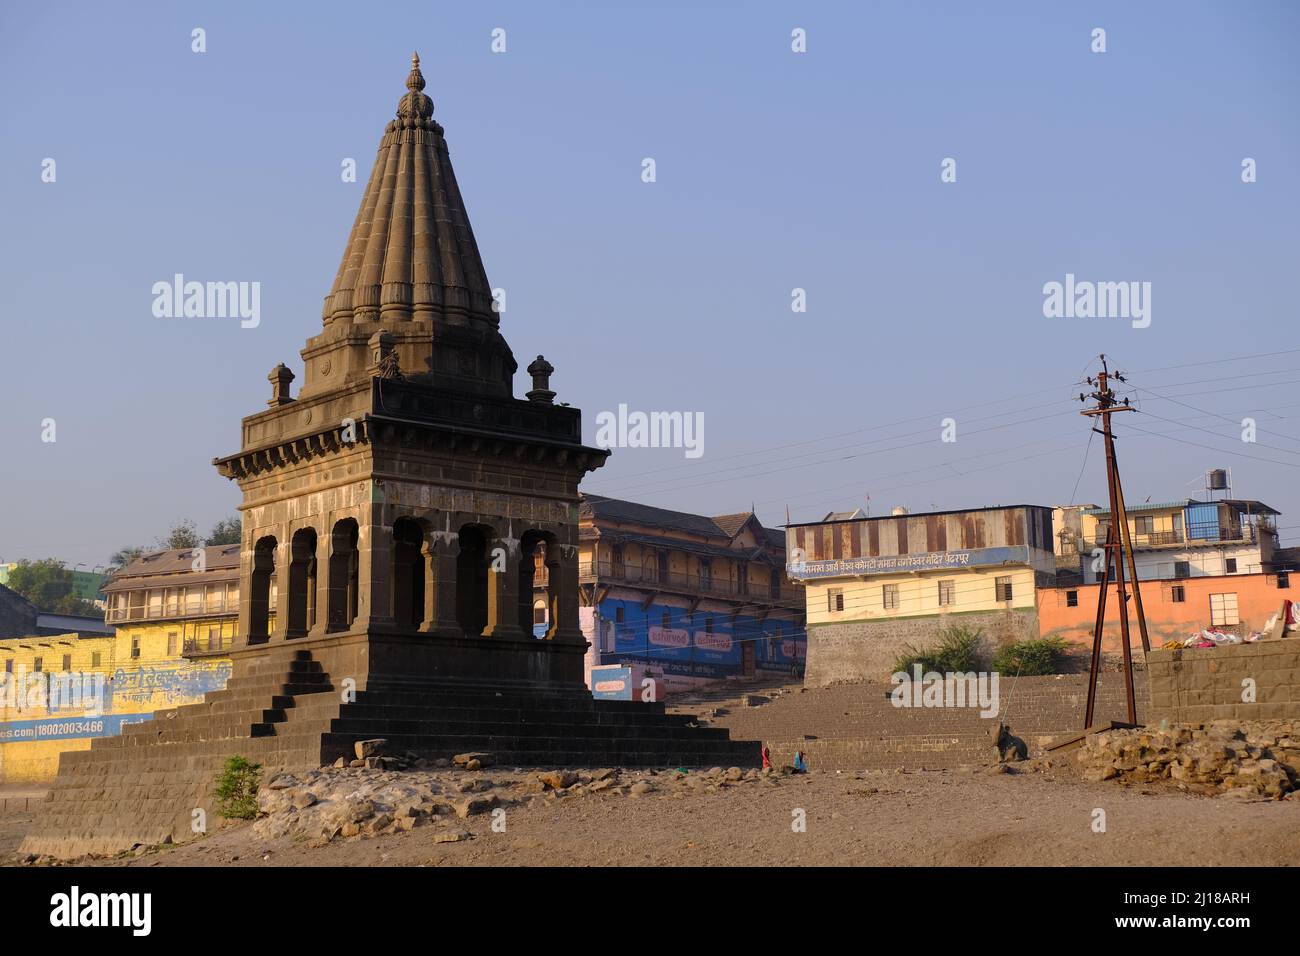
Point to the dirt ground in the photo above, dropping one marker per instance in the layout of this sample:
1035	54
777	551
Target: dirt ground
944	818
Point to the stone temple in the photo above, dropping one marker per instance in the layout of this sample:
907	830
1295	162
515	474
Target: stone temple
409	510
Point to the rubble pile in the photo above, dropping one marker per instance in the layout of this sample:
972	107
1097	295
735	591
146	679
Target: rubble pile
378	794
1244	759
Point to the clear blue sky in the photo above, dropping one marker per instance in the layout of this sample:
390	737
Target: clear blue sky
775	171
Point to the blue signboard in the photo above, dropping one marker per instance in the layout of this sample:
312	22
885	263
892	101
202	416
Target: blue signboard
900	563
66	728
611	683
705	644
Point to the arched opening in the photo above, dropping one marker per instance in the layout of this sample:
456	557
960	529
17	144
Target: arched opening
472	579
345	566
302	583
259	590
408	572
532	578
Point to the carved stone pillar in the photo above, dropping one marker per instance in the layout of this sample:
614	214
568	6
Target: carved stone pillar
283	561
324	550
440	587
503	592
375	543
564	597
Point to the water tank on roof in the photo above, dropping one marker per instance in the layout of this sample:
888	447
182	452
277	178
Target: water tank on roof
1217	480
898	510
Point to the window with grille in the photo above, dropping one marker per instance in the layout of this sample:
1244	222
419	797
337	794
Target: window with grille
1002	588
947	593
889	593
1071	598
1283	579
1223	610
1179	594
1231	566
834	600
1182	569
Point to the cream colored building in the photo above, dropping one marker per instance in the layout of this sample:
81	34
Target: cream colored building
875	586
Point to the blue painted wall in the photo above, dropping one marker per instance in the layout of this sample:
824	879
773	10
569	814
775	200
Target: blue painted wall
686	648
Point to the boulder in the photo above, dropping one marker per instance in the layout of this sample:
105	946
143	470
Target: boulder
370	748
478	758
558	779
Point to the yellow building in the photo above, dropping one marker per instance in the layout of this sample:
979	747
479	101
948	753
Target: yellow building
174	612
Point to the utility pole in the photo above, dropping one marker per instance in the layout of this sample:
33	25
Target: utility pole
1119	544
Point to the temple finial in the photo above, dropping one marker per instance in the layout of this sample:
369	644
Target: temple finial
415	81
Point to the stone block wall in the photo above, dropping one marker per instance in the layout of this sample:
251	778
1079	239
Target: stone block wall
1199	685
866	650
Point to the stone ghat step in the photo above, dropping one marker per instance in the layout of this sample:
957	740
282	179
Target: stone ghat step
365	728
175	751
849	755
435	697
598	749
258	722
366	710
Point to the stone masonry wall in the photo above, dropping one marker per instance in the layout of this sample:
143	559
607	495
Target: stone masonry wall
866	650
1199	685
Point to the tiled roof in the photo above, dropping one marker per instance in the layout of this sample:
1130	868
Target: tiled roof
154	566
730	524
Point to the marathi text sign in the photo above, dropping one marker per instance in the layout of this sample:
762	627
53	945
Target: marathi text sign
895	563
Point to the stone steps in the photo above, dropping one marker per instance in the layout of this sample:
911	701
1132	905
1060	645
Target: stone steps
143	785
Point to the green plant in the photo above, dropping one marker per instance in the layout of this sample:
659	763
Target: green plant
956	652
237	789
1032	658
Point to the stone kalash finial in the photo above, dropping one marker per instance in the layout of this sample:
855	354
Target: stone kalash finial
280	378
415	105
541	371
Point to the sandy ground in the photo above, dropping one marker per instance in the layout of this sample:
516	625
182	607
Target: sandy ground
962	818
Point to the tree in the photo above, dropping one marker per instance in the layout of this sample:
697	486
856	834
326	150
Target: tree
77	607
183	534
42	582
225	531
124	556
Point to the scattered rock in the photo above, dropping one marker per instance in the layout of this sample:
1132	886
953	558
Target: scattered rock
451	835
558	779
472	806
477	758
640	788
370	748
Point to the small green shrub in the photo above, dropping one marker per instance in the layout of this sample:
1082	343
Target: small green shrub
1032	658
956	652
237	789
